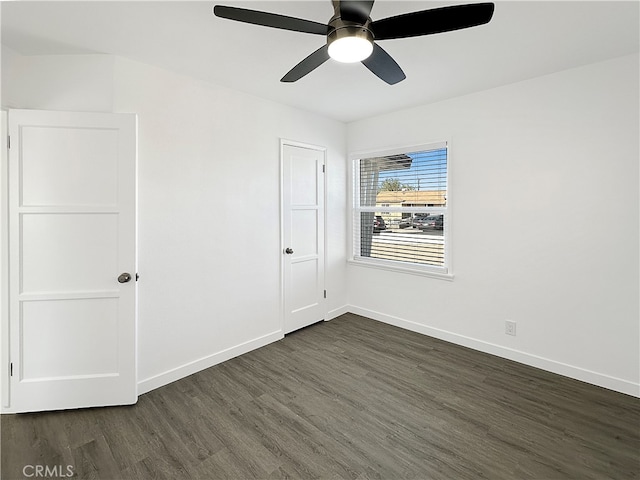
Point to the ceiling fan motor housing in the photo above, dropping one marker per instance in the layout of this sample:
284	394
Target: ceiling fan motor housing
339	28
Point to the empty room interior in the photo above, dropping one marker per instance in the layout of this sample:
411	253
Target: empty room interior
320	239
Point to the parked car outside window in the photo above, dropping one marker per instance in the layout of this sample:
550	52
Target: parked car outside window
405	222
432	222
414	221
419	219
378	224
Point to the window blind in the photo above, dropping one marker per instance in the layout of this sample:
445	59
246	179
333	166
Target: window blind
400	208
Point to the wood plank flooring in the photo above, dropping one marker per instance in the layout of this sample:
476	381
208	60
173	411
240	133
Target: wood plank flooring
352	398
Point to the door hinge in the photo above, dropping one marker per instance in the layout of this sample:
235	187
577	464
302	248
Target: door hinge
322	168
137	276
325	294
11	369
8	141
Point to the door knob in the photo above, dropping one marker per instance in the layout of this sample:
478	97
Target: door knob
124	277
288	251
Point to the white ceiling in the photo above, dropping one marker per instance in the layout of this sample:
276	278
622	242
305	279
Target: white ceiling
523	40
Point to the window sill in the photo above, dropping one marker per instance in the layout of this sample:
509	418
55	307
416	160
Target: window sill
393	267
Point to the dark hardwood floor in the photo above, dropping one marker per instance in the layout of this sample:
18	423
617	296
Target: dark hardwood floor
351	398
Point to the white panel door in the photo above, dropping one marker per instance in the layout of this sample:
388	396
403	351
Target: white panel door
72	191
303	235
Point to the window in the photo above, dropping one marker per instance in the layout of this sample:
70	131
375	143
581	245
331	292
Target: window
400	215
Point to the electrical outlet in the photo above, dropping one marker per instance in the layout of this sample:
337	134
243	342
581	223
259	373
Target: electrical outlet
510	327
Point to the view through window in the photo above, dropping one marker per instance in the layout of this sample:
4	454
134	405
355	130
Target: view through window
400	208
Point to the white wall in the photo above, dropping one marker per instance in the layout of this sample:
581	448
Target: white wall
209	240
209	200
57	82
545	217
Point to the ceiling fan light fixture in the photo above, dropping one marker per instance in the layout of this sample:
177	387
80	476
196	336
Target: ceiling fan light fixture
350	49
350	44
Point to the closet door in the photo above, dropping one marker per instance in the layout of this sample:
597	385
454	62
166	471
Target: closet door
303	235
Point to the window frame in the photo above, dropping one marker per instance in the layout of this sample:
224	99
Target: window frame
445	272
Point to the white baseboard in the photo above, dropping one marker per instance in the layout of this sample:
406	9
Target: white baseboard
335	313
187	369
577	373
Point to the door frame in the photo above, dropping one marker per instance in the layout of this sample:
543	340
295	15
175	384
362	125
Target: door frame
4	265
293	143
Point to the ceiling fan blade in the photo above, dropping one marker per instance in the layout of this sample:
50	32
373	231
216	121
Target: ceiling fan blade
436	20
270	20
355	10
307	65
383	66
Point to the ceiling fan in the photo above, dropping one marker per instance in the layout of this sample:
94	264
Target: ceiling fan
352	35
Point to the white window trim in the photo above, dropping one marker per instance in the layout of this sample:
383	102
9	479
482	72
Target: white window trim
441	273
